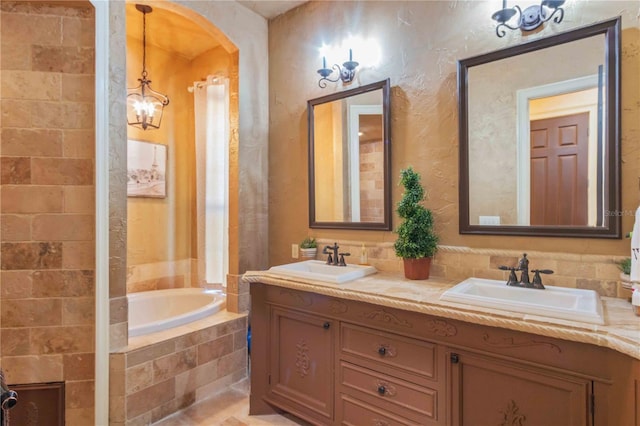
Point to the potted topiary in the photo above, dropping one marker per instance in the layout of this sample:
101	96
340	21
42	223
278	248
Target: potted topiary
417	241
308	248
624	290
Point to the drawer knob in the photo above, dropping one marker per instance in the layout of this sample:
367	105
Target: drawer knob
382	350
326	325
382	390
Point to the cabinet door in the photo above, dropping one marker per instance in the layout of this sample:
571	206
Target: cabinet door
301	364
492	391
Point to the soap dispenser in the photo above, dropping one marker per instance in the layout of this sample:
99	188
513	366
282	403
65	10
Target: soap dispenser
363	255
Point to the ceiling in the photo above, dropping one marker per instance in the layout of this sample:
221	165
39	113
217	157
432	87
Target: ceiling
270	9
174	33
170	32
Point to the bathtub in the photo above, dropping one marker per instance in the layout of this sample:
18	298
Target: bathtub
152	311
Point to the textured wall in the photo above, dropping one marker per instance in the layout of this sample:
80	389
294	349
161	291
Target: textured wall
158	229
47	236
420	43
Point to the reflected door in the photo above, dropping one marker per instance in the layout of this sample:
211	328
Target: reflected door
559	170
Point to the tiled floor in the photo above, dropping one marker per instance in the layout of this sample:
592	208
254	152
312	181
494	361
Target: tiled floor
228	408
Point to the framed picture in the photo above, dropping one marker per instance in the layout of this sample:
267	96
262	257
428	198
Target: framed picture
146	169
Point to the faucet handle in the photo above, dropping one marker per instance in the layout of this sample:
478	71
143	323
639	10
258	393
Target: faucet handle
342	262
513	279
537	279
329	259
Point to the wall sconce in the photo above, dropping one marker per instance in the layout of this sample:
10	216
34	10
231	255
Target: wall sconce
530	18
145	105
346	73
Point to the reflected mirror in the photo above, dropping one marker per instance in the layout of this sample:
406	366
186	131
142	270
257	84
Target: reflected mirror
349	159
539	136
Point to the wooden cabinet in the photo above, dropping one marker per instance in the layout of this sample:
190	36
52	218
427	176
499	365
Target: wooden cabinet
334	361
492	391
301	363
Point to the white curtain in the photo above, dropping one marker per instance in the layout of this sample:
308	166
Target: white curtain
211	99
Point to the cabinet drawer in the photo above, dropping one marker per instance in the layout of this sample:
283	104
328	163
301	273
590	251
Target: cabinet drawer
414	356
417	403
359	413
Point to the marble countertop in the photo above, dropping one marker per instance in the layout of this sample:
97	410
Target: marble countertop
621	331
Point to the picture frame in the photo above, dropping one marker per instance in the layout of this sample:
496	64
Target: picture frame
146	169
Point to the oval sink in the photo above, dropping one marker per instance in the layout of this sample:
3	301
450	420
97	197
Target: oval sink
557	302
318	270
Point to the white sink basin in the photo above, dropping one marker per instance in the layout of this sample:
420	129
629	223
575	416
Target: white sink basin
318	270
556	302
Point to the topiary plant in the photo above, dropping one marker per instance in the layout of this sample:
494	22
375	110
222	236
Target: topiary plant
416	236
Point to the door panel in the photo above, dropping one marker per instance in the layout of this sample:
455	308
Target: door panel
302	361
559	170
488	391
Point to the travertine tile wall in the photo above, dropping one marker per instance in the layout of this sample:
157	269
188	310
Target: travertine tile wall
596	272
47	199
161	275
372	181
151	381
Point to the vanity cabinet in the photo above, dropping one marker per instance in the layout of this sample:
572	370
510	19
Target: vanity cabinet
301	362
490	391
334	361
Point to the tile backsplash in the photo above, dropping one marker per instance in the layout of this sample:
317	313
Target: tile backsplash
595	272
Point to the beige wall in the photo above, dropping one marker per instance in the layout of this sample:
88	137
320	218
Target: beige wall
420	42
158	229
47	278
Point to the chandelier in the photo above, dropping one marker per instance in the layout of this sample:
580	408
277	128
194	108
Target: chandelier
145	105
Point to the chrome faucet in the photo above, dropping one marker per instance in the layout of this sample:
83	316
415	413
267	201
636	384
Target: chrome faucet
523	267
333	258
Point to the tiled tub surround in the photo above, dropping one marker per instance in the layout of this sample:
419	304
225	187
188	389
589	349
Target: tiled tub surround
161	275
161	373
594	272
621	331
47	204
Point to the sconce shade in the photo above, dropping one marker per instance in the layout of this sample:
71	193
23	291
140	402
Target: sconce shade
145	105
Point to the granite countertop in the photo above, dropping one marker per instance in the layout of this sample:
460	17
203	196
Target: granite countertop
621	331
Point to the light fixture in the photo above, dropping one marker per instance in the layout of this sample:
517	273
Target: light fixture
145	105
530	18
346	73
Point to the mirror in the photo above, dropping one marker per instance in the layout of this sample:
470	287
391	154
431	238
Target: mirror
350	159
540	136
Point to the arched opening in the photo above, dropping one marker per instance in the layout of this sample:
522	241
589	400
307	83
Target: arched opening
178	219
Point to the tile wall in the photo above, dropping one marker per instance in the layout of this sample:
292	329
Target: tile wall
47	199
596	272
158	374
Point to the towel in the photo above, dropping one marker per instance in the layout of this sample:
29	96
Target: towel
635	250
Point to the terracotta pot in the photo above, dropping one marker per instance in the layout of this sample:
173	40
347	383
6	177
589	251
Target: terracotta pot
417	269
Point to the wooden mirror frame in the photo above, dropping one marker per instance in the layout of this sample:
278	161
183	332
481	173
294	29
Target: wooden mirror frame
612	228
385	86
